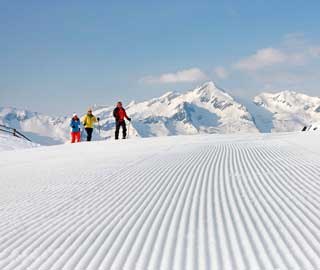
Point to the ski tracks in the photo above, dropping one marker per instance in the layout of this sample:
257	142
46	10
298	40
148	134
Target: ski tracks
232	205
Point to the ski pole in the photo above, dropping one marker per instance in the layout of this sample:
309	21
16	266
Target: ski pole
129	129
99	126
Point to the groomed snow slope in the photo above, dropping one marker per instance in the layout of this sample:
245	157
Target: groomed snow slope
185	202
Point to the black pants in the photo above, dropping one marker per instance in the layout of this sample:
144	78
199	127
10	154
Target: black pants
124	129
89	134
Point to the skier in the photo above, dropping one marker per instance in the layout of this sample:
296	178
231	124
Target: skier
88	122
119	113
75	125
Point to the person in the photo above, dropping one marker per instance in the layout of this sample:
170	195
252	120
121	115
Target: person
120	114
75	125
88	123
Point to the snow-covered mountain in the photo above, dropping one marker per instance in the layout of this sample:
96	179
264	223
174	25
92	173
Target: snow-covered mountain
38	127
286	111
206	109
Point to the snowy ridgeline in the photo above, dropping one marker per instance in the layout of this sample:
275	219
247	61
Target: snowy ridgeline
215	202
206	109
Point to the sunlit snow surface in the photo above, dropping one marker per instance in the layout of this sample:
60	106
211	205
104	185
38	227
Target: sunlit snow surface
184	202
9	142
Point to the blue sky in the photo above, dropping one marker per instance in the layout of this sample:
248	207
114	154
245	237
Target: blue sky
58	57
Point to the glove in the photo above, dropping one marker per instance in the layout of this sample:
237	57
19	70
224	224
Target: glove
98	118
73	126
129	119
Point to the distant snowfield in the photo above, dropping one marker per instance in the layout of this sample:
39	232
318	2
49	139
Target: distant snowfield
184	202
9	142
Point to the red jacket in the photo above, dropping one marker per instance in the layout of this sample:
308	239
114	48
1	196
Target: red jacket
119	114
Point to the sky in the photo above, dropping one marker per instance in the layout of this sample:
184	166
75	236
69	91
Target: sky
59	57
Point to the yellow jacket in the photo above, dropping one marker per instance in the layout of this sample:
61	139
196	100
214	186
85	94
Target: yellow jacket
89	120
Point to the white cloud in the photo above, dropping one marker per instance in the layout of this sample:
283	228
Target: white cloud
261	59
221	73
293	63
295	50
187	75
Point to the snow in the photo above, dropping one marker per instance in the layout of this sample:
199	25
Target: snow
9	142
42	129
182	202
287	110
206	109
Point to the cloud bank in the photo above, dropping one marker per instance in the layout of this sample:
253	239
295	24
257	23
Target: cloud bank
187	75
261	59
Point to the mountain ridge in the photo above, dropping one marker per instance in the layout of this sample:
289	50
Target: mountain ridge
205	109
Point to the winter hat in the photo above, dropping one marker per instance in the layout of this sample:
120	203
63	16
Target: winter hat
74	115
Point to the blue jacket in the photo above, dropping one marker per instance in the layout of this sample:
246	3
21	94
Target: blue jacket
75	125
